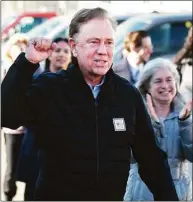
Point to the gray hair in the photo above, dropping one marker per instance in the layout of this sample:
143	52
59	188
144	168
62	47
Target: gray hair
150	69
84	15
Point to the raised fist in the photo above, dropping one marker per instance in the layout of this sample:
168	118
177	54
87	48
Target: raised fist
39	49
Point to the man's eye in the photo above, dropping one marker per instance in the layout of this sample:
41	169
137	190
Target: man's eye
93	41
110	42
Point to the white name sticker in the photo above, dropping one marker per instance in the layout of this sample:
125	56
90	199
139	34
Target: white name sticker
119	124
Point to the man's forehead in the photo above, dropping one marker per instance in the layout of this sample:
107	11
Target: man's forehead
97	25
96	29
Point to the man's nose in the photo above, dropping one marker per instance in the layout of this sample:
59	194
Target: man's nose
102	49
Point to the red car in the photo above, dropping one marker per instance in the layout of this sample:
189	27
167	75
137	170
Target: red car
23	23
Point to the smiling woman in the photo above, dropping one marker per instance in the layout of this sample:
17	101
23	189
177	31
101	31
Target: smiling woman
172	122
60	57
158	72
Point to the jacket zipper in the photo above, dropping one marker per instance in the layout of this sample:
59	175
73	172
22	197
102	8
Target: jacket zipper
97	139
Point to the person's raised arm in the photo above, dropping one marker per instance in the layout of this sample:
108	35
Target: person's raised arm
15	110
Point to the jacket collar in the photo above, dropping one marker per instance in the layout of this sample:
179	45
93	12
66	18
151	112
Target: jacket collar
75	73
78	83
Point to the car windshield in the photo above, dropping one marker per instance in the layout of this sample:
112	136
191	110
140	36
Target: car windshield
7	21
60	31
132	24
46	27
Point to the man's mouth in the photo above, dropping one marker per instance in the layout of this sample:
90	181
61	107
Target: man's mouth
101	62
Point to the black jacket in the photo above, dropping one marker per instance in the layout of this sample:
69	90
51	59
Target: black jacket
85	148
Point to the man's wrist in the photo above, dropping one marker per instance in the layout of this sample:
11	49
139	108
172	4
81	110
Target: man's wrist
32	61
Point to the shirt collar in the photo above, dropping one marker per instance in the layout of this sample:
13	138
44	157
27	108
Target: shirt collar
98	85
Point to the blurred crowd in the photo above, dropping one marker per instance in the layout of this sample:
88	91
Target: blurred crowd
138	60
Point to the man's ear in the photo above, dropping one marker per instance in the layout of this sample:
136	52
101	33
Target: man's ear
72	46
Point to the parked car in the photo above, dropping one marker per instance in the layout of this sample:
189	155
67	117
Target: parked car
55	27
23	23
52	28
49	26
167	32
123	17
61	30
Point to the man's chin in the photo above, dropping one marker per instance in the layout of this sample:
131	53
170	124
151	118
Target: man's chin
101	72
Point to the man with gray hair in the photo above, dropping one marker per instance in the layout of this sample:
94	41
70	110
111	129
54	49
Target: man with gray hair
86	118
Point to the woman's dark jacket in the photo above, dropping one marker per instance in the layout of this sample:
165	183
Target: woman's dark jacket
85	144
27	170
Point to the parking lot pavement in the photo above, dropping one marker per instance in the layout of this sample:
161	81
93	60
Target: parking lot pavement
20	185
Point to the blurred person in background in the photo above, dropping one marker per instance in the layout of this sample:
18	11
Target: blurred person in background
85	119
28	166
172	122
13	138
184	55
60	58
183	60
137	51
11	49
